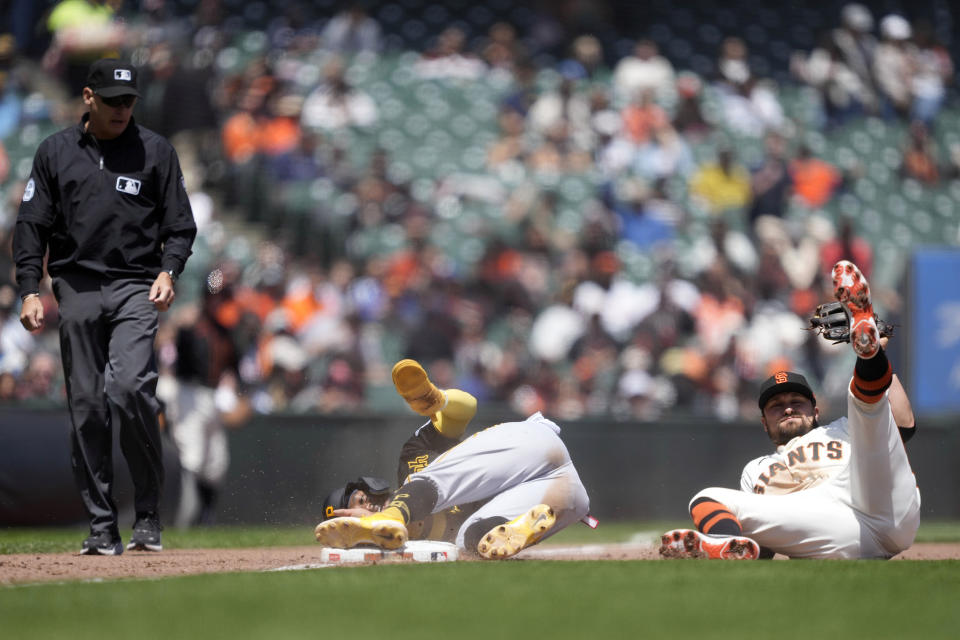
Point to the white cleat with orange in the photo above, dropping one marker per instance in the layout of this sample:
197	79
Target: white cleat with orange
853	292
690	543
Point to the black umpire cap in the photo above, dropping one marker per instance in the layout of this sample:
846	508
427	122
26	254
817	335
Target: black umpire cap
110	77
783	381
340	498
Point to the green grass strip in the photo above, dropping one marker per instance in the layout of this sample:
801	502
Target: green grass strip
553	600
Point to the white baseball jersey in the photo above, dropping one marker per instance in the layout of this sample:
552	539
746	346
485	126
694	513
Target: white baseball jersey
845	490
511	466
802	463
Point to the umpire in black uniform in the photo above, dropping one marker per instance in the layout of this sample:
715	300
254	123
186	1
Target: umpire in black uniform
107	198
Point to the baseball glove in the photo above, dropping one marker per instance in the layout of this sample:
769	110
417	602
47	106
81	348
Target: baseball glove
830	320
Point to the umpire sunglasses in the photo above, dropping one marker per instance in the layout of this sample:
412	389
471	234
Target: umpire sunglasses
119	101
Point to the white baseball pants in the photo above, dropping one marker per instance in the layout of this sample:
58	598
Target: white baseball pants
514	466
870	509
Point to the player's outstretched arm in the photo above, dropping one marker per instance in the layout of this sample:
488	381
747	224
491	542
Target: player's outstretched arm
900	405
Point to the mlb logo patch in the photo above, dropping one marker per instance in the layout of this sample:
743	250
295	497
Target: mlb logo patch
128	185
29	190
122	74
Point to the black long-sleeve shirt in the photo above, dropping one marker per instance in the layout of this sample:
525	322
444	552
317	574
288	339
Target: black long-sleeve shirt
117	208
422	448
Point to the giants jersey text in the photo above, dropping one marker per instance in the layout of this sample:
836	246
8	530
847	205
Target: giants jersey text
802	463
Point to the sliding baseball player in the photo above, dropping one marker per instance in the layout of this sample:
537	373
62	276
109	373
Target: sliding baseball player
494	493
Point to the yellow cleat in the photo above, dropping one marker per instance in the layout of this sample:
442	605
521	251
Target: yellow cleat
378	530
412	383
509	539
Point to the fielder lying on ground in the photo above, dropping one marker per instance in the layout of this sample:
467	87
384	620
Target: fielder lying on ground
844	490
495	493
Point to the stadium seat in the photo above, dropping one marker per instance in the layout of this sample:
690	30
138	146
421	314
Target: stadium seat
871	223
945	206
923	224
879	172
912	190
897	206
392	139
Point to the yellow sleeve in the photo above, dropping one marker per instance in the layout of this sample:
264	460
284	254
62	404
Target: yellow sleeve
452	419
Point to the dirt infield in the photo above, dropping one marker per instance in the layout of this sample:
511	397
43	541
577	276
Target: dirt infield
56	567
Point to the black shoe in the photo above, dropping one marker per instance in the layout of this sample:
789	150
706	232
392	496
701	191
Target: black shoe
102	544
146	533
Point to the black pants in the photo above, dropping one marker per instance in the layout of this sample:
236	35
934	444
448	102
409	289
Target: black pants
107	332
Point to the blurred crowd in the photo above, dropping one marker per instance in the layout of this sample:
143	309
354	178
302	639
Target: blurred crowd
545	314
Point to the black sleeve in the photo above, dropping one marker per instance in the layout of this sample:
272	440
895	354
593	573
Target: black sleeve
178	228
29	246
421	449
907	432
176	249
34	221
